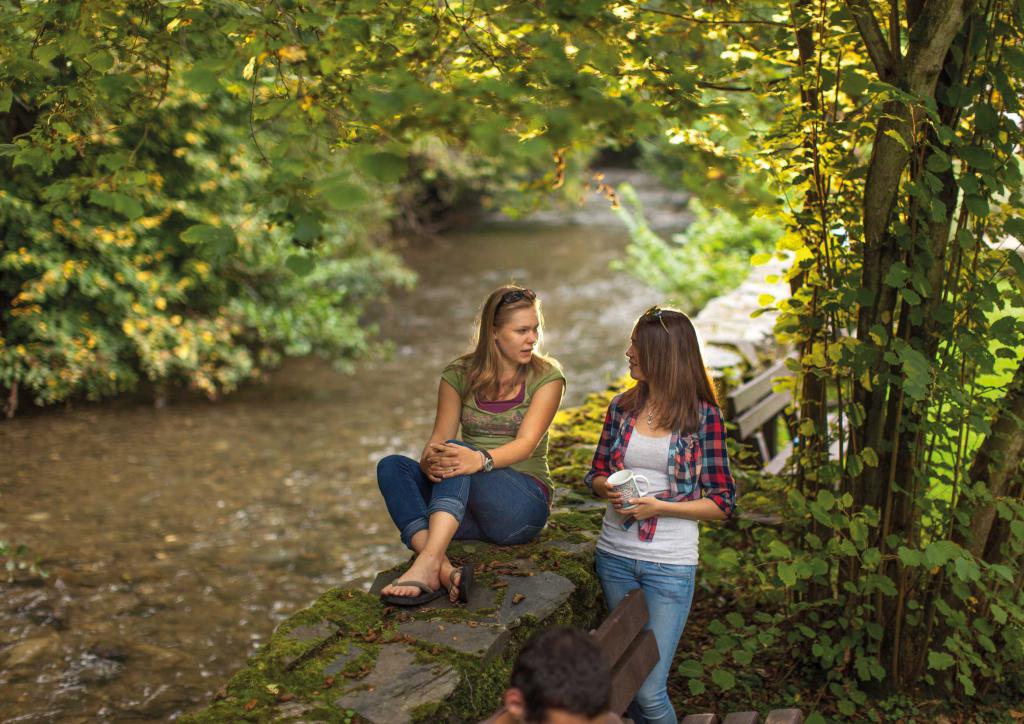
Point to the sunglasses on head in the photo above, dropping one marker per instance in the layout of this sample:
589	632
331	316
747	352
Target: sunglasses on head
653	313
514	295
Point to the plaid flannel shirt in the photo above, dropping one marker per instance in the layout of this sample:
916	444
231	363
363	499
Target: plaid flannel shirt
698	464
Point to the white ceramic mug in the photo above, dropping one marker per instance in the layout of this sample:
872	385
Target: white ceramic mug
629	484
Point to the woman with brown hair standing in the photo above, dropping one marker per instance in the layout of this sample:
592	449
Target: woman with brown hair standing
668	429
493	485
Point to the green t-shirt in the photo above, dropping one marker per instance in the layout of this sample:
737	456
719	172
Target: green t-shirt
488	430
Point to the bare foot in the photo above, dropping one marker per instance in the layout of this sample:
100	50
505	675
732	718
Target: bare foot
426	569
447	572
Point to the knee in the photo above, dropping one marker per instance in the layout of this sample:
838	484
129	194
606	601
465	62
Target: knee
389	468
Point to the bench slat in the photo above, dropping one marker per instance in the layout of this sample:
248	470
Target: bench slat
621	627
744	396
631	671
785	716
752	420
742	717
701	719
777	463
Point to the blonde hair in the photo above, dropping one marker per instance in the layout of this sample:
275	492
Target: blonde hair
483	367
668	353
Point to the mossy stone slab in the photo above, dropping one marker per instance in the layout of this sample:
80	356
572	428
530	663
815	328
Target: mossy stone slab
541	595
336	664
482	640
309	637
398	685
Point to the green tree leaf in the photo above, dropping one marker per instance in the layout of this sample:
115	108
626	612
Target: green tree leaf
219	240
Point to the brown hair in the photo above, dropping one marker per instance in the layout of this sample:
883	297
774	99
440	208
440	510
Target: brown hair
668	354
483	370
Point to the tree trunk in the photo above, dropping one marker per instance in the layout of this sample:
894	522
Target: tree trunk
997	463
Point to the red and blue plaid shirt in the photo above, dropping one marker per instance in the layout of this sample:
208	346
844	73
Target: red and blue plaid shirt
698	464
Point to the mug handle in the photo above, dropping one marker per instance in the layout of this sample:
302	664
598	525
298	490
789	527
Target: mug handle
647	485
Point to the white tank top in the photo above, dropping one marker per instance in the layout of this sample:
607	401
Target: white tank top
676	540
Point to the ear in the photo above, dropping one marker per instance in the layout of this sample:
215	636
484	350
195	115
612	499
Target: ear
515	703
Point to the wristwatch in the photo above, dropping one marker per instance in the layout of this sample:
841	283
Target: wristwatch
488	461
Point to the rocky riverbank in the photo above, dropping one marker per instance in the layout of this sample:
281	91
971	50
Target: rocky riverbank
350	658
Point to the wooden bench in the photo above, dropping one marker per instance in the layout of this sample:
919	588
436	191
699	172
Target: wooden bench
754	408
631	650
778	716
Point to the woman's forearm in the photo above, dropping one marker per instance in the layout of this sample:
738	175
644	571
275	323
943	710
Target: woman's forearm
512	452
702	509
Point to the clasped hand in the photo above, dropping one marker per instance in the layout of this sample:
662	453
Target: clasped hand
646	507
447	460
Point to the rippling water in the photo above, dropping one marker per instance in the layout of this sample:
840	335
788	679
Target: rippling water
178	538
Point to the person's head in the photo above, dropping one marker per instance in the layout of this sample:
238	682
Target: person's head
508	338
665	360
560	677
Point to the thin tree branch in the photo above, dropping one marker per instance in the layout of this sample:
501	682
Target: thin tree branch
894	29
877	47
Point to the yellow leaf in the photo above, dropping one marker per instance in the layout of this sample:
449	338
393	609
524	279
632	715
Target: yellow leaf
292	53
249	68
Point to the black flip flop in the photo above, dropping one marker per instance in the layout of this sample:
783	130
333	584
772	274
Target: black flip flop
465	581
429	594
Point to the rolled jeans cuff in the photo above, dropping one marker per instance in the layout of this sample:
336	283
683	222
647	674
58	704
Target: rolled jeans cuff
446	504
412	529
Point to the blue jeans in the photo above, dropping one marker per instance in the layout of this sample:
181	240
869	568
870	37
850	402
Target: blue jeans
503	506
668	590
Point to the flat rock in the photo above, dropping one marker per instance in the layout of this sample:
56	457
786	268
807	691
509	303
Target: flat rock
315	632
312	635
28	650
335	665
542	595
398	685
483	640
294	711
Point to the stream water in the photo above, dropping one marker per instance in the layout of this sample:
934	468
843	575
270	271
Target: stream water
178	538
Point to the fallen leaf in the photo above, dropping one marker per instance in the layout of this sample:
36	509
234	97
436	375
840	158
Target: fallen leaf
250	705
222	693
518	598
285	696
472	624
328	682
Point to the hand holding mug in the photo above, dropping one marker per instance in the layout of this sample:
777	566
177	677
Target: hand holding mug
625	488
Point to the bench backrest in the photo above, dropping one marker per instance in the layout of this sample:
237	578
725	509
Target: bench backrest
753	407
632	652
753	403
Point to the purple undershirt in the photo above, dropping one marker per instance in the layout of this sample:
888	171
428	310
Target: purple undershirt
505	406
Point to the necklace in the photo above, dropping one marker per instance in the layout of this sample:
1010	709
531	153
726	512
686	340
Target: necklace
650	418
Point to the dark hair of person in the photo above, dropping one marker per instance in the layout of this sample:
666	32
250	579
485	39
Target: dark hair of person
668	354
562	668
